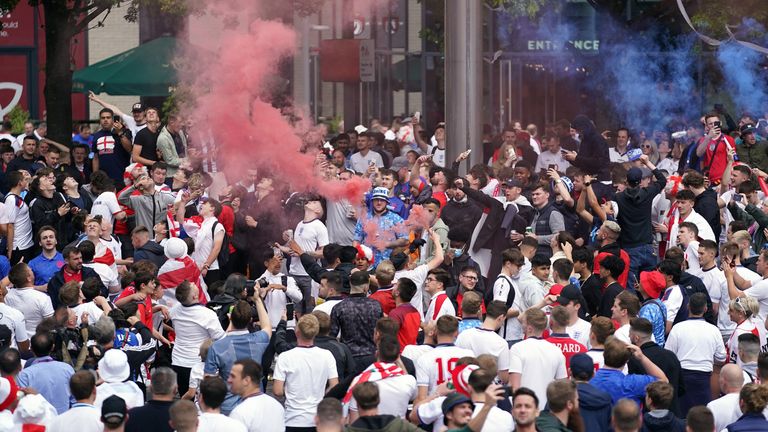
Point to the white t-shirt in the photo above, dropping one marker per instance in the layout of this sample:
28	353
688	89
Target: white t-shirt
717	286
215	422
511	329
395	394
432	413
4	219
305	372
94	311
360	163
14	320
18	215
538	362
435	367
673	300
418	276
276	300
204	242
83	417
108	276
128	391
438	155
446	307
107	206
414	352
548	158
193	325
759	291
310	236
259	413
726	410
580	332
697	344
130	123
33	304
598	357
326	306
748	326
483	341
691	256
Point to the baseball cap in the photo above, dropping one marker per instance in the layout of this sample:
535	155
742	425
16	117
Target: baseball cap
612	225
390	135
113	410
653	283
513	183
634	175
582	364
748	129
138	107
569	293
454	399
399	162
380	193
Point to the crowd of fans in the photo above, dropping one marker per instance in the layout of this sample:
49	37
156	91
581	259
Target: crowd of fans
573	280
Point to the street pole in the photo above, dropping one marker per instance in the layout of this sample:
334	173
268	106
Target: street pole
463	78
351	90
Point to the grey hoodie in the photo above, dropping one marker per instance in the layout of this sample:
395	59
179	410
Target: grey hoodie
150	209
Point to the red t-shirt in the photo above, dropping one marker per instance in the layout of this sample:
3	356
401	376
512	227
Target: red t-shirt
716	157
410	321
568	346
145	307
227	219
385	298
624	276
459	298
69	277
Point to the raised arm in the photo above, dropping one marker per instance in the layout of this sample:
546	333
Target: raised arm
92	96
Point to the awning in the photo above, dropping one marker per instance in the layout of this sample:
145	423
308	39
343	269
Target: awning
146	70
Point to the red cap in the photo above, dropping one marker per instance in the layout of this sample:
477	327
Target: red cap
653	283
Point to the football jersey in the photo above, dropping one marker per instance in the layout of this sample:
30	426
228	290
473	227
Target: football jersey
434	367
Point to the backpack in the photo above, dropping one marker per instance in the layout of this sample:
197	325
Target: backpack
223	257
691	289
682	314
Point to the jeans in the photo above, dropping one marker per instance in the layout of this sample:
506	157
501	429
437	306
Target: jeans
641	258
307	302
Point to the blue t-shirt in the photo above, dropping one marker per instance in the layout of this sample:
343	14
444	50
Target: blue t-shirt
113	159
45	268
656	312
5	266
621	386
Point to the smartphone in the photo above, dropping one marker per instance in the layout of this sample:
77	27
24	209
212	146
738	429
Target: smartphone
289	311
737	197
552	166
717	124
507	391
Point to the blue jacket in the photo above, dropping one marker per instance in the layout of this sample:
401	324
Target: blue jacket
595	406
749	423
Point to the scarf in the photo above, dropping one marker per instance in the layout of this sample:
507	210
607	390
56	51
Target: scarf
375	372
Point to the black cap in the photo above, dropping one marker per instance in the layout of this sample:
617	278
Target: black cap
513	183
138	107
113	410
748	129
569	293
454	399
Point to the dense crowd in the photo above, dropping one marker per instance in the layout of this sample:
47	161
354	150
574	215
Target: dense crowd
573	280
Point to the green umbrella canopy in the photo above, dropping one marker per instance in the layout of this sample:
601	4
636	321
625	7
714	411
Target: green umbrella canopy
146	70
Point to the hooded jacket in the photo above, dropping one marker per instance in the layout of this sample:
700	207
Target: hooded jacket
382	423
461	214
595	407
666	423
547	422
593	156
150	209
635	212
151	251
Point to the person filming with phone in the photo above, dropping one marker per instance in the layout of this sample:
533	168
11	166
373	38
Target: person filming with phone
714	148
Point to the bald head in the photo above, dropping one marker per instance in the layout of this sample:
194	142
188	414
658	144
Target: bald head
731	378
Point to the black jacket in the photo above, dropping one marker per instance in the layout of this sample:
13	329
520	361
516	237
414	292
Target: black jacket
461	214
635	212
667	361
706	206
44	211
152	252
593	157
57	281
315	271
667	423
